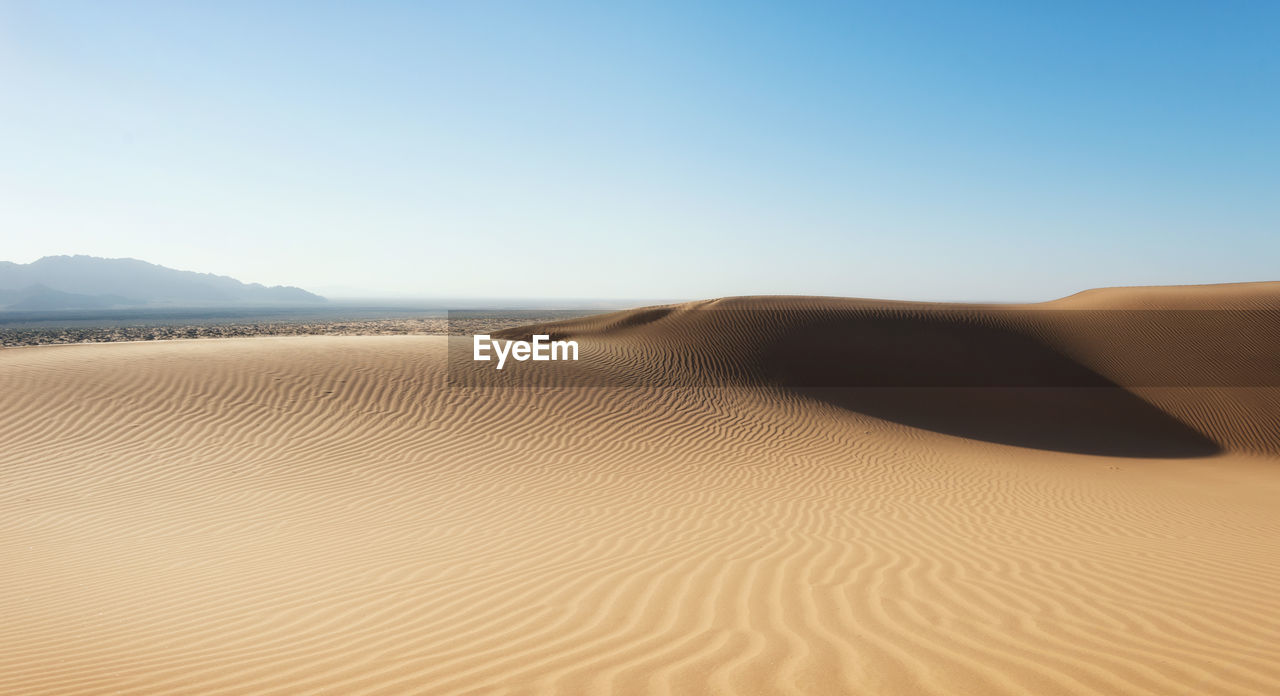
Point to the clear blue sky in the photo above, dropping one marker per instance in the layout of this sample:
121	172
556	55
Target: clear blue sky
958	150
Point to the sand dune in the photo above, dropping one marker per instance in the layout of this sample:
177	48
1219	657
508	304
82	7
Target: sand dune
728	509
1197	367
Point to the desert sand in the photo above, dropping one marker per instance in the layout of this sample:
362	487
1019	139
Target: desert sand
338	514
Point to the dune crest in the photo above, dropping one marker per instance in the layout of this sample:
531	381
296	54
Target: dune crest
1141	371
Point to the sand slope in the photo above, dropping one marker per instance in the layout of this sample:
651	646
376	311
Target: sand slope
1198	366
321	514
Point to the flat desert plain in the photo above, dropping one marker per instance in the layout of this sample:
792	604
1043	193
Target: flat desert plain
793	496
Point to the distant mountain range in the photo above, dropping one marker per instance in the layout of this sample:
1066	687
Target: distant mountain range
89	282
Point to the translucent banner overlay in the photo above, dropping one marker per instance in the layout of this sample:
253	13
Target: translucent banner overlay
878	347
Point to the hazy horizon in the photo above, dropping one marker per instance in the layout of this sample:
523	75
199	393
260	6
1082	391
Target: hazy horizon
979	153
342	295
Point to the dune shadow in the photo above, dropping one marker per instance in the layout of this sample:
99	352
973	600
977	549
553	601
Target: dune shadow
973	379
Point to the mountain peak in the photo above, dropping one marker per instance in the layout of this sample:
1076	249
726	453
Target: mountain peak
90	282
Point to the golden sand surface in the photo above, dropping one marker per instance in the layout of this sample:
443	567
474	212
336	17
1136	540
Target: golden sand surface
326	514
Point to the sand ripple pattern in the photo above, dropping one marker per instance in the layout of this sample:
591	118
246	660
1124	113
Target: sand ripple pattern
322	515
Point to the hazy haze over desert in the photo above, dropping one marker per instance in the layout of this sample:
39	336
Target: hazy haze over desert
578	348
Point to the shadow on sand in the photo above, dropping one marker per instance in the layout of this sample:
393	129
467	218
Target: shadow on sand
976	380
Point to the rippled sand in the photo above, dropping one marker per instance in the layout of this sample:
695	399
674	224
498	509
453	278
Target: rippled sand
323	514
